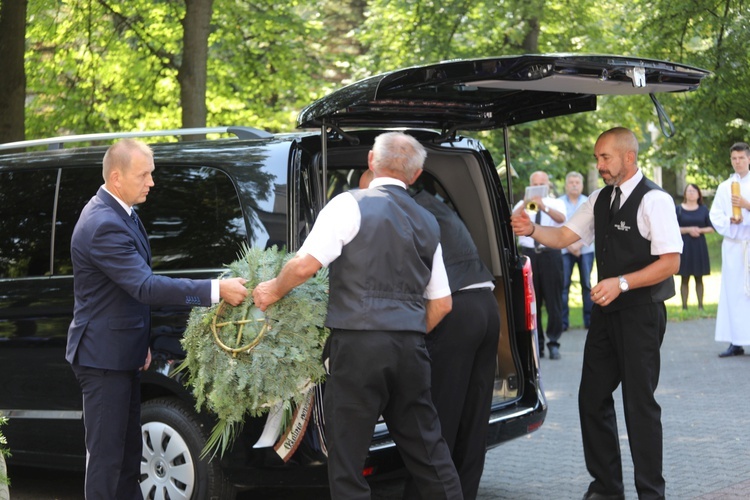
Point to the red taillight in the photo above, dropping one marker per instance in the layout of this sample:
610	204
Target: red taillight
534	426
529	296
368	471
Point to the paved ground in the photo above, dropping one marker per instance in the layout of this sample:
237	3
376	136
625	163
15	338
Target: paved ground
706	409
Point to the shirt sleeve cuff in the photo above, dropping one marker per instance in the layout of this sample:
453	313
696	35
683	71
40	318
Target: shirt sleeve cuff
215	297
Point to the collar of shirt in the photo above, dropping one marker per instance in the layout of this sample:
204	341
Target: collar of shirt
628	186
571	207
122	203
386	181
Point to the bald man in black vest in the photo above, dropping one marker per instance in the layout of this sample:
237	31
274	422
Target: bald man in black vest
638	246
388	288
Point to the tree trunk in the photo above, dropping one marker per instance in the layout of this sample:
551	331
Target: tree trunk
532	13
192	74
12	76
531	40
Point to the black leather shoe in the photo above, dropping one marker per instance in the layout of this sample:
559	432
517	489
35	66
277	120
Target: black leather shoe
592	495
554	352
732	350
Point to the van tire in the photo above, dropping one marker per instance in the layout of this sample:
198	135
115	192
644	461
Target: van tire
173	438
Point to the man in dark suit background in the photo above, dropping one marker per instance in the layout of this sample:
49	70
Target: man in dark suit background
108	339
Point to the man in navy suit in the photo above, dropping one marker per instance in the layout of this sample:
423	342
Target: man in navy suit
108	339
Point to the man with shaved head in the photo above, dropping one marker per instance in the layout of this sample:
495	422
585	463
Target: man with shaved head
638	246
109	337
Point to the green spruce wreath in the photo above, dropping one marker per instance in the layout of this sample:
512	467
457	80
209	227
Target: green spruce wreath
232	381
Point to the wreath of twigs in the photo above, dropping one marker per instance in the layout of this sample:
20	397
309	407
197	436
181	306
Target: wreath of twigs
241	361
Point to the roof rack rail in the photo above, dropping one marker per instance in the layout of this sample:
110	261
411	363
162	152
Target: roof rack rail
57	142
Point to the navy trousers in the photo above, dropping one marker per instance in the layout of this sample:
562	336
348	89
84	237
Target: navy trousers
112	417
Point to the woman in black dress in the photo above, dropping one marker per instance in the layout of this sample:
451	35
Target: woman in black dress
692	216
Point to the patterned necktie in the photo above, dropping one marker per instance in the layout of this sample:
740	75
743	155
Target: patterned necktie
615	204
138	224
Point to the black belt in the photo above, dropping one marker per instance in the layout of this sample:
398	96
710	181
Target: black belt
538	250
470	290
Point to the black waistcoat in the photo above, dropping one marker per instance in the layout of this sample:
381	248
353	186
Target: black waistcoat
462	262
620	248
378	281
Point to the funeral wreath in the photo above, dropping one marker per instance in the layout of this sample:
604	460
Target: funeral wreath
244	362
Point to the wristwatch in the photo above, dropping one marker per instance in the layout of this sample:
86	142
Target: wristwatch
624	286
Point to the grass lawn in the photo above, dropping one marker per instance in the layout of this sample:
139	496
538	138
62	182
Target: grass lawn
675	312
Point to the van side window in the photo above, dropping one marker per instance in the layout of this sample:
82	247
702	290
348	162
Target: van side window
307	195
26	205
193	218
77	187
306	206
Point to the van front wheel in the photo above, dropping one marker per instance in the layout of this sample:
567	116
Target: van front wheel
171	467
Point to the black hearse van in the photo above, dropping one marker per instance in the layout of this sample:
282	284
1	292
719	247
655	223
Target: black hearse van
213	196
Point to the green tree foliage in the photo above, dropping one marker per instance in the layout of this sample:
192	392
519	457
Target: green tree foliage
89	70
110	66
411	32
268	60
703	33
711	34
100	65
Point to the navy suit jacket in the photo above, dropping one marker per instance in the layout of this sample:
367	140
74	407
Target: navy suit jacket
114	288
